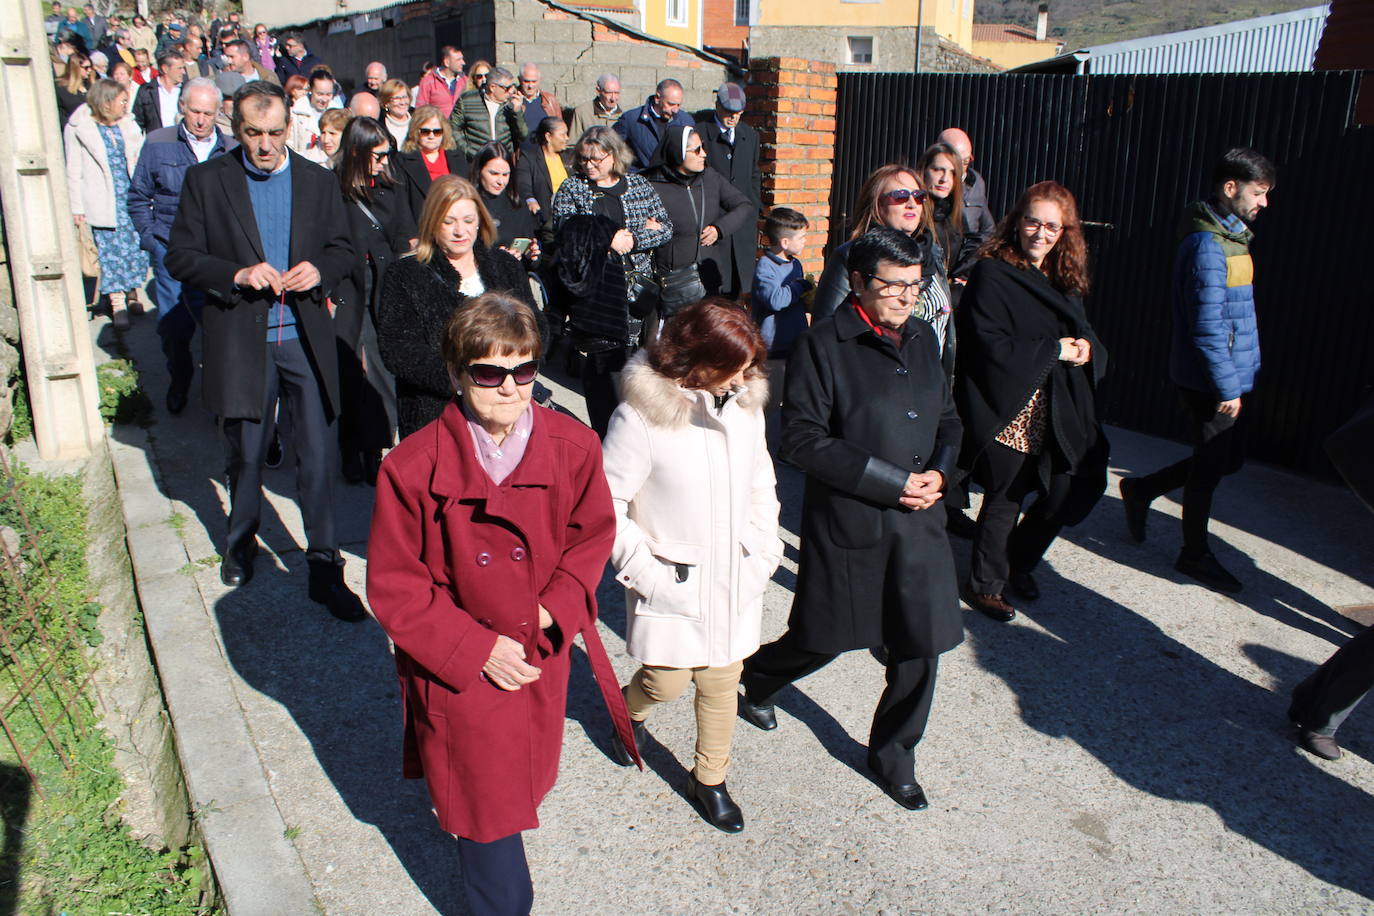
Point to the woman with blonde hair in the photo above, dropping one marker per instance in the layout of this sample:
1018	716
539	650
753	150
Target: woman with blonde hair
894	196
455	259
332	125
394	97
76	80
428	153
102	144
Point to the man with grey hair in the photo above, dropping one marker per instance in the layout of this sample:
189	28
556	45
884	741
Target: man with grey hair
643	127
604	109
373	77
154	193
539	103
494	112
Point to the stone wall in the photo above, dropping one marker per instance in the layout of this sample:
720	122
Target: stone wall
792	103
894	49
572	52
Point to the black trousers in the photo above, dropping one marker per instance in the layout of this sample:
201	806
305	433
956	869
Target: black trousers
1218	450
497	876
1322	702
367	416
598	386
290	377
1001	545
898	722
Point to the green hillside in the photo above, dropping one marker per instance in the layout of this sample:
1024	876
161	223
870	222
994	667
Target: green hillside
1083	23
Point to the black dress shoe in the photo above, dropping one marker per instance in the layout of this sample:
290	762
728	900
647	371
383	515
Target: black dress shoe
1136	507
762	717
1205	569
236	567
639	730
327	587
176	399
1324	746
909	795
274	453
715	805
959	524
1024	585
994	606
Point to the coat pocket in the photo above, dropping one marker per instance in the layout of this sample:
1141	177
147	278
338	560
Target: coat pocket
677	589
755	572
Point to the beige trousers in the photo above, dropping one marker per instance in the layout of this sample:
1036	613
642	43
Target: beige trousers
715	706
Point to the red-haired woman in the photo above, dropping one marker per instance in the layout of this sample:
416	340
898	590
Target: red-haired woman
1029	364
696	526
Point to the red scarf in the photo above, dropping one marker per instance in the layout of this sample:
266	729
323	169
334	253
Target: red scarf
896	335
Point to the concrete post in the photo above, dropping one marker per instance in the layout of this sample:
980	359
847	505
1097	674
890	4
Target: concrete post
42	242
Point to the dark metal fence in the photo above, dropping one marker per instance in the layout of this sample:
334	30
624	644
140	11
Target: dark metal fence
1135	150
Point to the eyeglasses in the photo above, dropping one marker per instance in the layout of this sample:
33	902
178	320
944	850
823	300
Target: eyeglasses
430	131
893	288
380	157
902	195
593	160
1035	225
485	375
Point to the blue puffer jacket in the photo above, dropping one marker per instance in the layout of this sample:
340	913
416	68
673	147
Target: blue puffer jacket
155	188
643	132
1215	345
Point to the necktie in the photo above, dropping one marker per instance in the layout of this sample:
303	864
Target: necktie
730	137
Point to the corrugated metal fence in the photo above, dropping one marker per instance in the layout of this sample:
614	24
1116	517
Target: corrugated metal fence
1135	150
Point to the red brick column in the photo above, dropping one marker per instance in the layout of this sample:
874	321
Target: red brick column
792	103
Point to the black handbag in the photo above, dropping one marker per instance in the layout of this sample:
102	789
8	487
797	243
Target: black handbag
678	288
642	290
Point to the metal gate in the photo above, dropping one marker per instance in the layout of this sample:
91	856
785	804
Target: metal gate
1135	150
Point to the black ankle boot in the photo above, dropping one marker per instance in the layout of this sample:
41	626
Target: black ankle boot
715	805
621	752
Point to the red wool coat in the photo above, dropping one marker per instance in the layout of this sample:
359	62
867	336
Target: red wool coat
455	560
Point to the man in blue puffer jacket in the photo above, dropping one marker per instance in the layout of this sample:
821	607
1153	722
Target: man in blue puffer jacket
154	193
1213	357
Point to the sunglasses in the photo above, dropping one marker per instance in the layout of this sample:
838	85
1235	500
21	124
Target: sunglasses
902	195
431	131
380	157
485	375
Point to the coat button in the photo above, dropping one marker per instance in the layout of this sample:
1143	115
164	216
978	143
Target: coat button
911	414
485	621
518	554
483	559
916	460
901	370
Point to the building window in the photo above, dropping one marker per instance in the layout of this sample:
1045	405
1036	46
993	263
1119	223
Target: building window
744	12
677	12
860	49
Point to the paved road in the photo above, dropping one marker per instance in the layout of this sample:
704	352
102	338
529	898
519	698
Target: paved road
1120	748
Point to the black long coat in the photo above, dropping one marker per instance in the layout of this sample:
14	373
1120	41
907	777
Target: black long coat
412	312
215	234
740	166
860	414
415	177
1010	322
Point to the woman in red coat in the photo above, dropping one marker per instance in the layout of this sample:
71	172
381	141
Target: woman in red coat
490	531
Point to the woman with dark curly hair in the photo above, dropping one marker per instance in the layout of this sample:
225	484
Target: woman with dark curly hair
1028	369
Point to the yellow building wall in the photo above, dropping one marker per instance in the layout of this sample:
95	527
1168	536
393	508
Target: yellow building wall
1008	54
655	22
952	19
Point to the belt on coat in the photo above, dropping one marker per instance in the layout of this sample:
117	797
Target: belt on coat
609	685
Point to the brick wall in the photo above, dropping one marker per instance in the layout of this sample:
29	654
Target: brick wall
719	32
792	103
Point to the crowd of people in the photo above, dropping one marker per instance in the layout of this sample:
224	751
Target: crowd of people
397	266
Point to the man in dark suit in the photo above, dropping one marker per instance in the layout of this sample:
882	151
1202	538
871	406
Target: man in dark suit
265	235
732	148
295	59
96	24
158	101
869	417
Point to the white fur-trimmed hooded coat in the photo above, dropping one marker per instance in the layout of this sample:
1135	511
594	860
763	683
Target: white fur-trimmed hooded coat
696	518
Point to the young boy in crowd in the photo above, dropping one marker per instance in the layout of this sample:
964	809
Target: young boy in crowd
777	300
779	284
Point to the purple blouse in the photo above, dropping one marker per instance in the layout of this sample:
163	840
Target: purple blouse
499	460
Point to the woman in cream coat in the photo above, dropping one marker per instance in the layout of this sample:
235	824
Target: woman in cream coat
102	144
696	526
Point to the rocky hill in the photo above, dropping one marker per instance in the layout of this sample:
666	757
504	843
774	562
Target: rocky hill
1082	23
